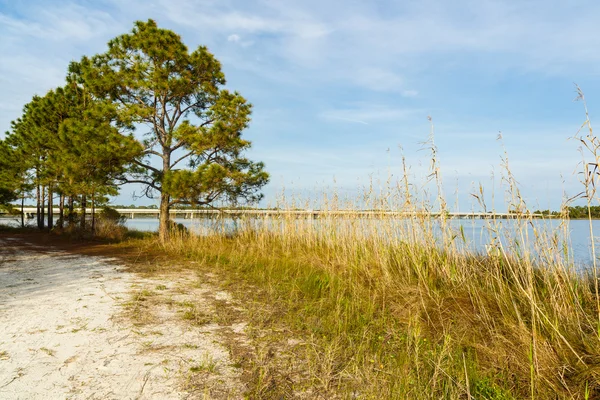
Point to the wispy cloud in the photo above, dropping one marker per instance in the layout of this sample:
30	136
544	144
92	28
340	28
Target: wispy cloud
233	38
38	43
368	114
337	69
69	21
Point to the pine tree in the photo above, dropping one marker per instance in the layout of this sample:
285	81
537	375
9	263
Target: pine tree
30	145
93	152
151	78
15	181
9	183
69	141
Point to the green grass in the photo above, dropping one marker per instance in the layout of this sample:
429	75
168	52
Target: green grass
193	315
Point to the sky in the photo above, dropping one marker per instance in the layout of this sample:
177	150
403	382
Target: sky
342	89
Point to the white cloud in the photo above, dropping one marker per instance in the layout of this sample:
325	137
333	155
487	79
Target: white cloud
368	114
316	52
39	42
382	46
260	20
378	79
410	93
68	22
233	38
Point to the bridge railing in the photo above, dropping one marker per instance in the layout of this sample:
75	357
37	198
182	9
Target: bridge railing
190	213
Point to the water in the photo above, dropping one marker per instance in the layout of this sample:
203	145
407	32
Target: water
478	234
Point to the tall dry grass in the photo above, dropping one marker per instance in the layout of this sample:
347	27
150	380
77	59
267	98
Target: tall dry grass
399	308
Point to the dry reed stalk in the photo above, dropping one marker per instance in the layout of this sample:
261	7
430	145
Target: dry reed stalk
513	322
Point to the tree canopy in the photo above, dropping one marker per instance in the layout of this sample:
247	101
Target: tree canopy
8	171
77	141
195	124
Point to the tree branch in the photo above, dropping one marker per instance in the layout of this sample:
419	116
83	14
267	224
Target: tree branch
182	112
150	145
177	112
156	130
151	168
166	114
182	158
180	145
151	184
206	202
156	153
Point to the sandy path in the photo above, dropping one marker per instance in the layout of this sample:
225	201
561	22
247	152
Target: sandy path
64	333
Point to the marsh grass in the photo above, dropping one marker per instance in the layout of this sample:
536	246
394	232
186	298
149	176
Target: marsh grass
398	308
406	320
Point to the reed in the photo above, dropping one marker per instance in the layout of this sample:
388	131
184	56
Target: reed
400	308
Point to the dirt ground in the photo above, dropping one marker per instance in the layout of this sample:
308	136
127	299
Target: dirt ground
78	326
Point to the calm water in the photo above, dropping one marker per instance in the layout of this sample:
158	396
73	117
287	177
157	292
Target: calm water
477	233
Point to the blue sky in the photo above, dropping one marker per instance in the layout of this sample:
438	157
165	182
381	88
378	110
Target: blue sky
338	86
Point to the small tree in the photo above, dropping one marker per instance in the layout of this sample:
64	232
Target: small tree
152	79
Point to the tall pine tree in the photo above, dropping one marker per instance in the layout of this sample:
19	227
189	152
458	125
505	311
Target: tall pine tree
70	143
152	79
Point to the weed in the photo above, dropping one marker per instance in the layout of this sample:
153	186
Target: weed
195	316
48	351
206	364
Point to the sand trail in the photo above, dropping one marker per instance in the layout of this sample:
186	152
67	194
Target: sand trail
65	332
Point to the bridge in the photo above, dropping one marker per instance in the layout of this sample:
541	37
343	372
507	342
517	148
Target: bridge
131	213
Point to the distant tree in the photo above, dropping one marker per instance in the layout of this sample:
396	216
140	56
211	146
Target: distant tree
152	79
582	212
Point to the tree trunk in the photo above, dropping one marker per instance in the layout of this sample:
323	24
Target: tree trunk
93	215
38	211
42	208
83	204
71	211
163	225
50	208
22	207
165	199
61	211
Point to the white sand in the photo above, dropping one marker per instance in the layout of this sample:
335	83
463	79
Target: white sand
64	334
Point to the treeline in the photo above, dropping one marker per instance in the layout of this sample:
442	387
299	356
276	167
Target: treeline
66	147
581	212
75	145
576	212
